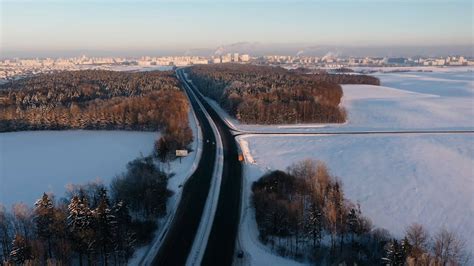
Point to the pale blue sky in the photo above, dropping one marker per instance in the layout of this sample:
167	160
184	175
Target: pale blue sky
180	25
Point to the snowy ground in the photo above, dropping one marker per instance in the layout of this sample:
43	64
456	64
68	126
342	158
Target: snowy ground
398	179
386	108
47	161
255	252
181	170
414	100
436	69
405	101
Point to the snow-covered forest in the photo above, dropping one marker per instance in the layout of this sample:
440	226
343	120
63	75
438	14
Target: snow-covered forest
97	99
92	223
270	95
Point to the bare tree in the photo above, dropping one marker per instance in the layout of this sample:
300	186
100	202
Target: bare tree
449	249
418	239
23	220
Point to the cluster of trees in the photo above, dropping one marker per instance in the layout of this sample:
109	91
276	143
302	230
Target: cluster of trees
90	225
344	70
97	99
303	214
339	76
418	248
347	79
270	95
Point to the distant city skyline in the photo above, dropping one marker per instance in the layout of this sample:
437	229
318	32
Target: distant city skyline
129	28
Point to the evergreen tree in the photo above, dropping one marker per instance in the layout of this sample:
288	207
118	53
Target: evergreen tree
80	227
44	220
162	149
5	234
21	250
314	223
352	222
394	255
105	225
125	238
405	247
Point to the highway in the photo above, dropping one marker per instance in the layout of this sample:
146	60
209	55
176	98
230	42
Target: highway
221	243
182	232
180	236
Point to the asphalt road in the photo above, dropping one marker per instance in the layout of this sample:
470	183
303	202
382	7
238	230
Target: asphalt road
221	243
179	240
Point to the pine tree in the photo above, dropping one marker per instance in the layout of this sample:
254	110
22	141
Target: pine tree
80	226
21	250
394	255
405	247
314	224
5	234
162	149
105	225
353	222
125	238
44	220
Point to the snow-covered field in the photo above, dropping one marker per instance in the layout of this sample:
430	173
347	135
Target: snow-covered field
405	101
388	108
436	69
413	100
47	161
398	179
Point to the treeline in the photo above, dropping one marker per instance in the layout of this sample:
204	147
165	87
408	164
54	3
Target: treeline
269	95
348	79
97	99
303	214
338	76
90	226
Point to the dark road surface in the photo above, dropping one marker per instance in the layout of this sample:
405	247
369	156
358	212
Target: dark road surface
221	243
179	239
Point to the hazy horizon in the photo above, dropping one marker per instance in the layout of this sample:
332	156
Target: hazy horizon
126	28
259	49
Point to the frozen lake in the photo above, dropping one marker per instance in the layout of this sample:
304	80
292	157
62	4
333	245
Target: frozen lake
46	161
